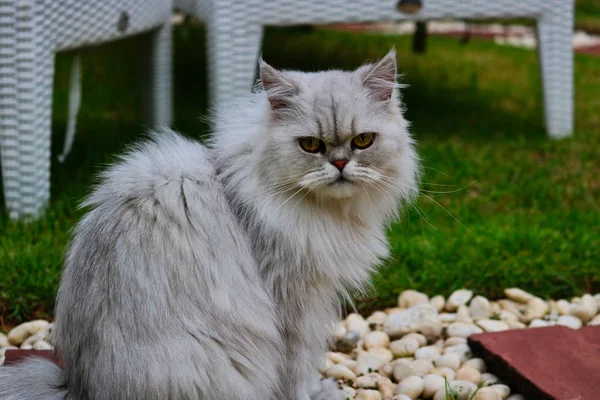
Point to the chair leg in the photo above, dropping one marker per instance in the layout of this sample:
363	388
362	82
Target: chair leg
157	79
233	48
35	117
9	127
26	106
555	49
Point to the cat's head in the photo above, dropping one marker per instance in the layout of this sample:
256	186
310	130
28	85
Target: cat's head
338	134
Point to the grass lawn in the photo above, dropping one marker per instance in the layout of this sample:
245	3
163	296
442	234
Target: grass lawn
587	15
520	209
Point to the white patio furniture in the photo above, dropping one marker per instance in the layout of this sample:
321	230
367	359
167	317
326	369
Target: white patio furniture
31	32
235	32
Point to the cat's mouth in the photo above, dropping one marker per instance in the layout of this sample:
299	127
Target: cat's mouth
342	180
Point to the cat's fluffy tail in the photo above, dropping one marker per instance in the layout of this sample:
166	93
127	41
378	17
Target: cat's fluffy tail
34	379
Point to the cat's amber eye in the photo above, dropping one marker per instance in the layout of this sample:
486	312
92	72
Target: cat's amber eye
311	144
363	140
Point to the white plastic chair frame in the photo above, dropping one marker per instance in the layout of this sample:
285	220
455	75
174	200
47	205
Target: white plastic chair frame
235	30
31	32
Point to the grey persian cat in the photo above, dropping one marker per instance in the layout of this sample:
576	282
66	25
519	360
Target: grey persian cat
215	273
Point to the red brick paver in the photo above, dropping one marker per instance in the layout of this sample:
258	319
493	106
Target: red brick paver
556	363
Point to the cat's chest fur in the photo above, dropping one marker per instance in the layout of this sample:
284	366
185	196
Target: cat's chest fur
319	247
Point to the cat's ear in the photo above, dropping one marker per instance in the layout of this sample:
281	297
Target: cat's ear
279	90
380	78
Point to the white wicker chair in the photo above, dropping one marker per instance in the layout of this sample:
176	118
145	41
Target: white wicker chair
31	32
235	33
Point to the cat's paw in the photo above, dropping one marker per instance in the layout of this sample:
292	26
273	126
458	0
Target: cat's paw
328	390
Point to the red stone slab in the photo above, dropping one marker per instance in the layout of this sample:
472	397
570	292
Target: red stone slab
554	363
13	357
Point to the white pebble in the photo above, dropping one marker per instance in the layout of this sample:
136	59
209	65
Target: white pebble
464	389
538	323
377	320
586	309
42	345
410	298
570	321
358	325
404	347
421	318
463	350
502	390
422	340
376	339
441	395
514	324
403	369
447	317
458	298
348	392
367	394
386	387
506	315
595	321
427	353
339	330
327	364
562	306
422	367
536	308
489	379
431	384
3	340
340	371
476	363
450	360
337	357
518	295
368	381
438	302
487	394
480	308
386	370
412	387
444	372
463	314
371	361
468	374
401	397
462	329
21	332
490	325
509	305
454	340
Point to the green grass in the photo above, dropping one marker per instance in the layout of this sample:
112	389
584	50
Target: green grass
524	210
587	15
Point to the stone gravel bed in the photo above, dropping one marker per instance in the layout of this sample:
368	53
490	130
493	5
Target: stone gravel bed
417	350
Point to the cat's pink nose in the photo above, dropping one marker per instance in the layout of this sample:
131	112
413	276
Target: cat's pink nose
339	164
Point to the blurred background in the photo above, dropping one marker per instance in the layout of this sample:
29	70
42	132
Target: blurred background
503	205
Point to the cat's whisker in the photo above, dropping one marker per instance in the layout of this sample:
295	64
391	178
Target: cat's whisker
435	201
436	170
417	208
289	198
392	180
369	198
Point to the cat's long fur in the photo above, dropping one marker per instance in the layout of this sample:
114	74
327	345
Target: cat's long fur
160	298
314	240
171	280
